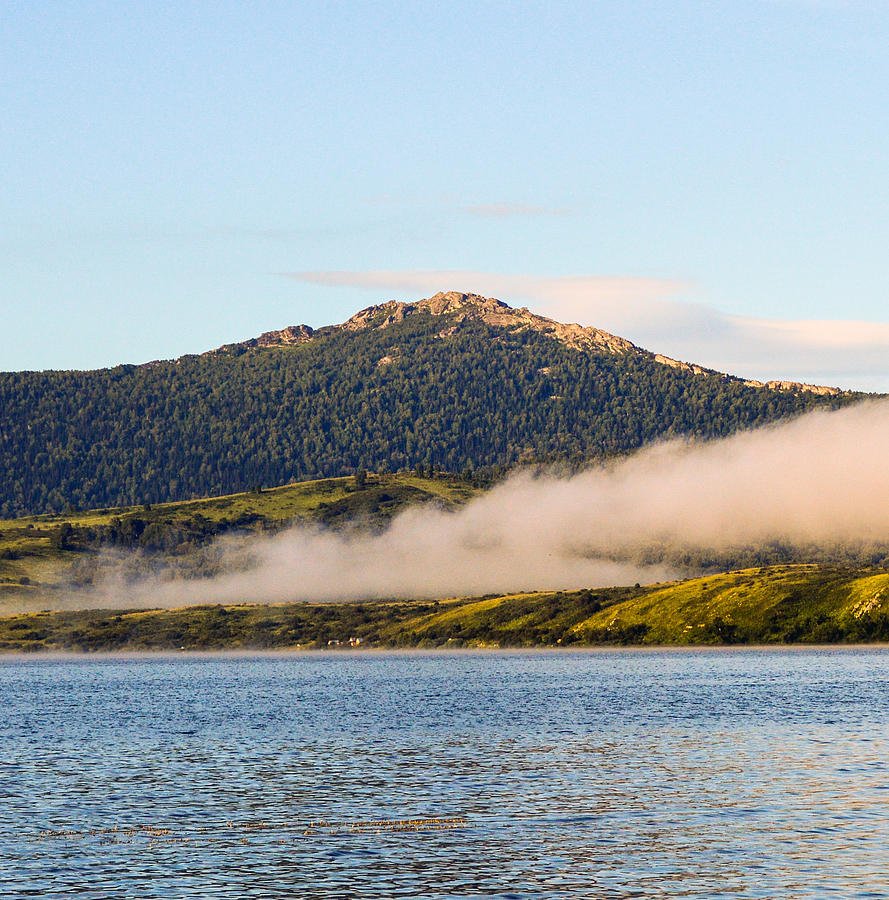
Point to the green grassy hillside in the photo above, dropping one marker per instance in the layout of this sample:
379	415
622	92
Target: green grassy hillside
39	555
781	604
764	605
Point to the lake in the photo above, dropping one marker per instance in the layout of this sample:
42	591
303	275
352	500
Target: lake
748	773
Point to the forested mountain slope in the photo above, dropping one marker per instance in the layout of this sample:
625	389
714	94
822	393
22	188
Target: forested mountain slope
453	382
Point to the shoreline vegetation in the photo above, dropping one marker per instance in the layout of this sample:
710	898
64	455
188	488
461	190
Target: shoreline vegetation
797	604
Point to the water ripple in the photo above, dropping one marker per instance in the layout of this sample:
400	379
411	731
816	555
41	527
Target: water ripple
614	775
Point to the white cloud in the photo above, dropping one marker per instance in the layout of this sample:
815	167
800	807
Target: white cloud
846	352
651	313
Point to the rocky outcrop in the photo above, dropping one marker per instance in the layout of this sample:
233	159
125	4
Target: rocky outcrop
380	316
459	307
292	334
819	389
771	385
684	366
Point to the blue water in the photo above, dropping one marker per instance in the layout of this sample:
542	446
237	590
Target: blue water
597	774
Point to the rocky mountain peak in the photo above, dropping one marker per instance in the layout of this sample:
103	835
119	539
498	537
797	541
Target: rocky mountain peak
445	302
459	306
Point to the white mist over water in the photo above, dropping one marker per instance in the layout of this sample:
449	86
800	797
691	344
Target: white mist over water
821	478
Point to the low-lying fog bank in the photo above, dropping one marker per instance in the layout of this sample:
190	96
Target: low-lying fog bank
822	479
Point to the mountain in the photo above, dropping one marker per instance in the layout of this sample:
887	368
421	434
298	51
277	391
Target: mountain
454	382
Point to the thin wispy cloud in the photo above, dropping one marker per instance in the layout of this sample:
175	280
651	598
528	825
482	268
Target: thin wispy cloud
653	313
507	210
551	296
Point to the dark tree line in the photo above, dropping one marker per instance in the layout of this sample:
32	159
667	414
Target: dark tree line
396	398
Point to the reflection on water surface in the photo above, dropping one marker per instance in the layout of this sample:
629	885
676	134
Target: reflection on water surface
638	774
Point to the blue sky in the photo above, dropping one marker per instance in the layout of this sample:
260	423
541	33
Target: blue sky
708	179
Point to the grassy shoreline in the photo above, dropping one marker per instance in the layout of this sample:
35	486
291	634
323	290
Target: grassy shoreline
776	605
15	656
